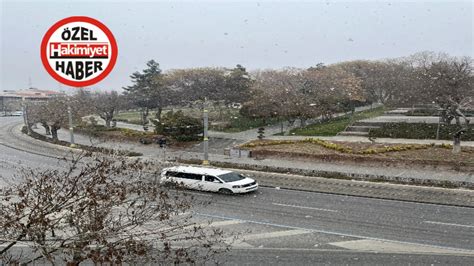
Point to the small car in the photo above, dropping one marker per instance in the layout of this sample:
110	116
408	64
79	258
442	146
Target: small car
208	179
17	113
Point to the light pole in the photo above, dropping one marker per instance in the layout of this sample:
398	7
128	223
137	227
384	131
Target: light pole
206	139
4	110
71	128
25	116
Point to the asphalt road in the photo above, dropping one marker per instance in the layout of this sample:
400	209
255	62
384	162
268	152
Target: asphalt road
277	226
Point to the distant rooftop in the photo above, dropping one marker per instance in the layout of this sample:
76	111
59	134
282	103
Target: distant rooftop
30	93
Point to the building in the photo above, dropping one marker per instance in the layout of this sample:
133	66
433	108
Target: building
11	101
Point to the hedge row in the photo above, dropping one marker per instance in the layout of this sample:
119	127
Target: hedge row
419	131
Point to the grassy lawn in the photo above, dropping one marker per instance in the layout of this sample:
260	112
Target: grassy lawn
239	123
336	125
132	117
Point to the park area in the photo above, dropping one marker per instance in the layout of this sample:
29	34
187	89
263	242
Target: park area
433	156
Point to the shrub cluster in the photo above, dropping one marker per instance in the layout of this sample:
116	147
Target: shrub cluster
135	133
419	131
179	126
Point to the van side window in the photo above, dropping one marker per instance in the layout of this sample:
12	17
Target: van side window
194	176
171	173
189	176
181	175
209	178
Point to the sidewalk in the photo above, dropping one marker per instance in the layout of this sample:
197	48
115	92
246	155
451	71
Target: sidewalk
374	172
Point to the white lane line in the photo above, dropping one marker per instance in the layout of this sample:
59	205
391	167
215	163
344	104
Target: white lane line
451	224
220	223
314	230
240	243
203	225
304	207
387	247
275	234
11	162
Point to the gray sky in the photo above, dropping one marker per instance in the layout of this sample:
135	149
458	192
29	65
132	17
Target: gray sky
255	34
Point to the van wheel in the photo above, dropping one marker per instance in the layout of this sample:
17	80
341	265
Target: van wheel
225	191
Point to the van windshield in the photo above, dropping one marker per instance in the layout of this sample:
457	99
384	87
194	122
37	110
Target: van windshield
231	177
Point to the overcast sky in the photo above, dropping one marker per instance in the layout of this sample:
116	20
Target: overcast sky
256	34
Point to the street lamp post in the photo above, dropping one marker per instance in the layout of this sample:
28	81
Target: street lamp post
71	128
206	139
25	116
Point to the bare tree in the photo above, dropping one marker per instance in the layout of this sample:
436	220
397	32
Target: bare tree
301	94
448	82
101	209
106	105
53	114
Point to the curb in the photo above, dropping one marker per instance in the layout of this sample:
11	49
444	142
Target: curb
359	188
343	176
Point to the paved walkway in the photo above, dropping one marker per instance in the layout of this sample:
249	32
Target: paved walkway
406	119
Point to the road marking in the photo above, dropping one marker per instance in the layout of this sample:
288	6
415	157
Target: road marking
202	225
275	234
11	162
332	232
220	223
226	222
385	246
451	224
240	243
304	207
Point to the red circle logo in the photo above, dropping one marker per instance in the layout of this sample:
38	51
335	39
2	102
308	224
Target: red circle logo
79	51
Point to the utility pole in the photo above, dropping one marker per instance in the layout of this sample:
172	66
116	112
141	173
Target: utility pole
25	116
71	128
4	110
437	130
206	139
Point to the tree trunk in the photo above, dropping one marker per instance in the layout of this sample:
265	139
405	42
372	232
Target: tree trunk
457	144
457	141
145	118
303	122
158	113
458	121
107	116
54	132
46	128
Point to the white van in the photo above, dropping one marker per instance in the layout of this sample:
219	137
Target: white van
208	179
